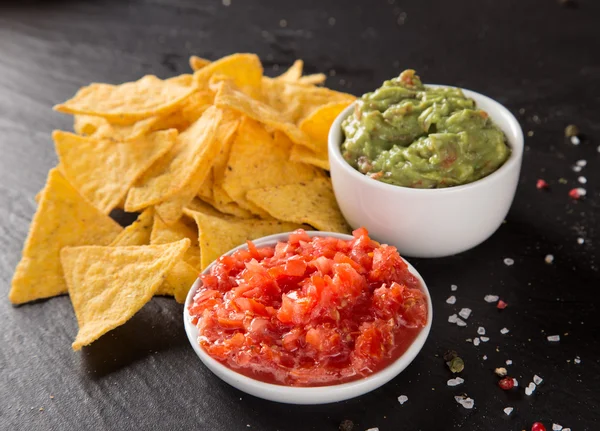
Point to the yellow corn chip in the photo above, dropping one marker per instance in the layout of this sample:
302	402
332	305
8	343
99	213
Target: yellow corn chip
319	121
172	209
257	161
206	190
314	79
63	218
103	170
244	69
223	203
304	155
137	233
108	285
294	73
218	235
178	281
98	127
197	63
163	233
187	113
129	102
230	97
311	202
194	148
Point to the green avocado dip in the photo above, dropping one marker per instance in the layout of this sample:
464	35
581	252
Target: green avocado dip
410	135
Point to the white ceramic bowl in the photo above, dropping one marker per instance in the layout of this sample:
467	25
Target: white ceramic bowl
304	395
429	222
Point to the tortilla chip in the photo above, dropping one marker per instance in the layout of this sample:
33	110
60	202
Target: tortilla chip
304	155
137	233
186	114
228	96
163	233
295	101
294	73
108	285
314	79
196	147
218	235
223	203
197	63
318	122
172	209
178	282
257	161
245	70
103	170
129	102
63	218
98	127
311	202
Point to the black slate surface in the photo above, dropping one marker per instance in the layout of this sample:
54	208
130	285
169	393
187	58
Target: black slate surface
537	57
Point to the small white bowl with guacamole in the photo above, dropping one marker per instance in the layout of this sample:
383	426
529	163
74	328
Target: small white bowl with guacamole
430	169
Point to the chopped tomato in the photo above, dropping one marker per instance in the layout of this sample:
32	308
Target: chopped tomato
309	311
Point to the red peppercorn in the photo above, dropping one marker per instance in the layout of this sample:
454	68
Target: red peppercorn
501	305
507	383
574	193
538	426
541	184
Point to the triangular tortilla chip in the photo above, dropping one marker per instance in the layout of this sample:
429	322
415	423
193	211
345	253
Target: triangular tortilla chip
137	233
318	122
172	209
108	285
302	154
99	127
314	79
311	202
129	102
197	63
194	148
257	161
163	233
63	218
218	235
294	73
103	170
245	70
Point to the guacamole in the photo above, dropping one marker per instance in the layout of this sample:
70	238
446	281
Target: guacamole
410	135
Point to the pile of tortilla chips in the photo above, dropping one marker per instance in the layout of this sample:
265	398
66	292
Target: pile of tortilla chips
209	160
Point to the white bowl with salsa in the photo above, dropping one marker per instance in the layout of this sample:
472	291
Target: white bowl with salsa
303	381
429	222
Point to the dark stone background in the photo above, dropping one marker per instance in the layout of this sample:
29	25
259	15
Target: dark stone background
538	58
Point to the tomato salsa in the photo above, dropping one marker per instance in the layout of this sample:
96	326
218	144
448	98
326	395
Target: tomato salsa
310	311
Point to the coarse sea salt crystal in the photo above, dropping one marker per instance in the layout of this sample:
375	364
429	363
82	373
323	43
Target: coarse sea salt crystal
453	318
464	401
402	399
451	300
481	330
465	313
460	322
581	163
577	168
580	241
516	382
566	429
484	339
508	261
491	298
581	191
582	180
508	411
537	379
549	258
485	357
476	341
577	360
556	427
455	382
504	331
508	362
553	338
453	287
530	389
373	429
575	140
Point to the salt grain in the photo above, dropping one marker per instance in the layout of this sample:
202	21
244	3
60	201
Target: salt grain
582	180
373	429
464	401
553	338
481	330
453	287
515	382
451	300
453	318
484	339
581	163
556	427
549	258
575	140
508	261
465	313
491	298
508	411
476	341
485	357
504	331
455	382
580	240
577	360
508	362
460	322
537	379
577	168
402	399
530	389
566	429
581	191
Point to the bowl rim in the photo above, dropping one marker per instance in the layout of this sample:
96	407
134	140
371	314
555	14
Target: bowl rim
305	395
514	136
